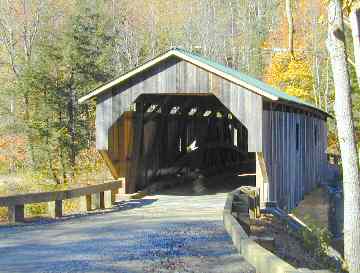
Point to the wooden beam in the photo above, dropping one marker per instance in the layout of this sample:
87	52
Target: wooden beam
304	109
108	86
147	65
29	198
110	163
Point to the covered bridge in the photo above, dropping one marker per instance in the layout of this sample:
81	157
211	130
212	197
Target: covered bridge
183	110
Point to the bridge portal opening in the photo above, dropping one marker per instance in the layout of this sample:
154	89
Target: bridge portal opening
180	135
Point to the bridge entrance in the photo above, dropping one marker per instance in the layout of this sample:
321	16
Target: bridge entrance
178	135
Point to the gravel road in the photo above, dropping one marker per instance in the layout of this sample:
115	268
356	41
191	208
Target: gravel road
174	231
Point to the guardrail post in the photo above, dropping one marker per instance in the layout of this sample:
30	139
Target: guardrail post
16	214
88	202
55	208
102	200
85	203
113	195
254	200
95	200
105	199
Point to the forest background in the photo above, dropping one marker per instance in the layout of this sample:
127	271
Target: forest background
54	52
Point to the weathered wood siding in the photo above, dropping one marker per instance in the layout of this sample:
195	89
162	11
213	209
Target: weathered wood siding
294	169
177	76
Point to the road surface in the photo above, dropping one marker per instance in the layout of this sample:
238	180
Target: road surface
175	231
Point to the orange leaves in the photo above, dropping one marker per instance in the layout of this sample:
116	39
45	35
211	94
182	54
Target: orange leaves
12	148
307	21
295	75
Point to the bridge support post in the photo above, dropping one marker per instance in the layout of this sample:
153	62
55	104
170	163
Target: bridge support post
262	180
55	208
16	214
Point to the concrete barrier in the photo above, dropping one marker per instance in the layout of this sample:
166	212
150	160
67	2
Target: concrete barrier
262	259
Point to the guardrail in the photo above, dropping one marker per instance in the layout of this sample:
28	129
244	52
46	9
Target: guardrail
237	203
91	197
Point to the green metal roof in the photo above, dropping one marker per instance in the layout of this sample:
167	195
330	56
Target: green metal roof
250	80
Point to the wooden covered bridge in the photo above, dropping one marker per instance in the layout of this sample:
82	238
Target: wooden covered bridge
181	110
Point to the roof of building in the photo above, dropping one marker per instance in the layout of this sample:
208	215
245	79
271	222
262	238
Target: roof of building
228	73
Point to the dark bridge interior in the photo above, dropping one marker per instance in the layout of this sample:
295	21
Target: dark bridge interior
180	134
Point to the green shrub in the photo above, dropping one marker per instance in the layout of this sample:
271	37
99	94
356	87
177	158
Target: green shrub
36	209
317	240
3	213
71	206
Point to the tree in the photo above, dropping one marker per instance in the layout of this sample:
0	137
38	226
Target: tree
20	23
290	26
68	63
291	73
86	58
355	28
298	62
345	126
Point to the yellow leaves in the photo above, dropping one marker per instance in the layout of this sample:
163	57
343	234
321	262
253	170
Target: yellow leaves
347	5
322	19
298	92
298	70
351	6
293	75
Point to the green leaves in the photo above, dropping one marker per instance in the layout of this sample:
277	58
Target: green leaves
65	66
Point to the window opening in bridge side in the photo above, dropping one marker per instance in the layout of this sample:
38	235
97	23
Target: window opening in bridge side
192	111
207	113
297	136
235	137
175	110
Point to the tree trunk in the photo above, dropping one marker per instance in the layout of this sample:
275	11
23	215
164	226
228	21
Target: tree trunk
50	162
72	130
290	26
355	28
345	126
62	151
327	87
29	134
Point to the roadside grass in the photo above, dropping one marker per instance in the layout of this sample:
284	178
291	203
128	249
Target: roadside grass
313	210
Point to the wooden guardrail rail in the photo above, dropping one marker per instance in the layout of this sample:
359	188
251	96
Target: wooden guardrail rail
92	197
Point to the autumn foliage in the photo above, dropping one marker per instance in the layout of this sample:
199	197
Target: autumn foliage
296	74
12	151
291	74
